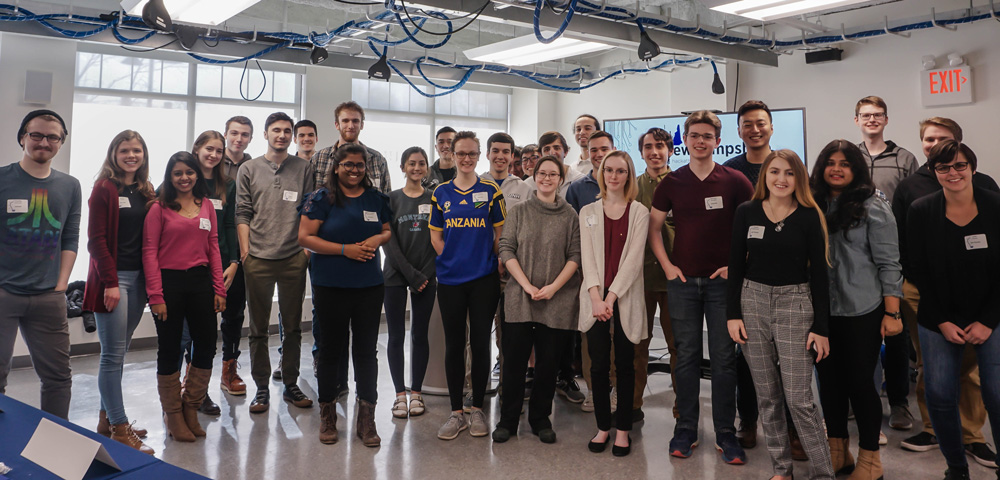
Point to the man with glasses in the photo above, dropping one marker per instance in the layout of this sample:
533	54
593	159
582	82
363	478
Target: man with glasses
443	170
529	156
703	197
40	227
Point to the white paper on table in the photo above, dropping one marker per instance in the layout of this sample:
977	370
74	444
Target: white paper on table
64	452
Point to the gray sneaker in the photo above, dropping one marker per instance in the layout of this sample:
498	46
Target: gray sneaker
900	418
455	424
478	427
467	403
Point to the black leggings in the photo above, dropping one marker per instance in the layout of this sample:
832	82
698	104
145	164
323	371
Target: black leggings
421	305
518	340
189	297
855	343
599	345
343	312
476	300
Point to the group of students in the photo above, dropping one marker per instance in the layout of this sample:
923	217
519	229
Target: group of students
800	271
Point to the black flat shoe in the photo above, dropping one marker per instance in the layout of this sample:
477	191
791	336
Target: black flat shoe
546	435
621	451
598	447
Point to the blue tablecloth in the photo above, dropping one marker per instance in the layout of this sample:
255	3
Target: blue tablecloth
18	422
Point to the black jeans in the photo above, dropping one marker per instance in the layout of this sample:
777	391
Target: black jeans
421	306
477	300
846	375
233	316
190	299
599	345
341	312
549	344
897	368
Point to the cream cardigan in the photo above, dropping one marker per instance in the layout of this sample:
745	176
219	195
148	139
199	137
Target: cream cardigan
628	284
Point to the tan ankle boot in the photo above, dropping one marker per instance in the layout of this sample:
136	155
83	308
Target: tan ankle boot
169	387
366	424
123	433
104	426
194	393
840	455
869	466
328	422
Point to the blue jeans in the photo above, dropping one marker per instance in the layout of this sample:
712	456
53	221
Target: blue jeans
115	331
941	387
689	303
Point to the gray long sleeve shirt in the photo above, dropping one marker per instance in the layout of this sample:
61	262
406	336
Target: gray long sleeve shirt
267	199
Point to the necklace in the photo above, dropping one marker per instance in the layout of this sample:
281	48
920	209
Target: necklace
781	223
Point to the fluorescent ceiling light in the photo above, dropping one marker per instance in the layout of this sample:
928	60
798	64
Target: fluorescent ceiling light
527	50
203	12
767	10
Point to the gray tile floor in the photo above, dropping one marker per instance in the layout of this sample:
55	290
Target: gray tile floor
283	443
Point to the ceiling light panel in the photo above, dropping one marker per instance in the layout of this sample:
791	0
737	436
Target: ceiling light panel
202	12
527	50
767	10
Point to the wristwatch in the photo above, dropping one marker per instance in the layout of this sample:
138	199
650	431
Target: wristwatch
896	315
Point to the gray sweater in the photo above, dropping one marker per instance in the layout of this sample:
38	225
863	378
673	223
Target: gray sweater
267	199
542	237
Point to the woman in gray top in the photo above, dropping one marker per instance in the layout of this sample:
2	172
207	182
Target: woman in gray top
540	247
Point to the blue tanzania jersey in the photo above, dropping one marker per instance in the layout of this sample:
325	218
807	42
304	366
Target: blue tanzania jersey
467	219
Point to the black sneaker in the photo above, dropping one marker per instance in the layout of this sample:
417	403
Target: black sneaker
982	454
496	370
955	473
293	394
570	390
921	442
208	407
261	401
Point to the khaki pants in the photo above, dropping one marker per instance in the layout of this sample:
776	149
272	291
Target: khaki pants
289	274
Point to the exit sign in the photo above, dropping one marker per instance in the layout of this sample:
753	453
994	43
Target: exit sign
947	86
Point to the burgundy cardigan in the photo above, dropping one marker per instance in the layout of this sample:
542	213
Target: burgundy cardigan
102	243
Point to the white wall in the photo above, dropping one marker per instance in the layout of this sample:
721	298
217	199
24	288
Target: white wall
325	88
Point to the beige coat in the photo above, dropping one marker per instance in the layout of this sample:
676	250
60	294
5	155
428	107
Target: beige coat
628	284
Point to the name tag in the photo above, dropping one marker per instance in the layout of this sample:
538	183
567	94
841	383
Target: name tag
370	216
205	224
17	206
216	203
976	242
755	231
424	209
290	196
591	221
480	197
713	203
124	203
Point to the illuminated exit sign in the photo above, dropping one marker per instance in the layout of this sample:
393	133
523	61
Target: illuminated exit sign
948	86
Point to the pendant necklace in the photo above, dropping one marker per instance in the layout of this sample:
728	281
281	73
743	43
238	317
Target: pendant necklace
781	223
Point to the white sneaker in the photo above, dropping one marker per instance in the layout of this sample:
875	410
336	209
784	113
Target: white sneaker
882	439
588	403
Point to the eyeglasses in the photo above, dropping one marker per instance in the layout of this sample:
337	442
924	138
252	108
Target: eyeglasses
358	167
38	137
612	171
708	137
958	166
876	116
547	175
467	154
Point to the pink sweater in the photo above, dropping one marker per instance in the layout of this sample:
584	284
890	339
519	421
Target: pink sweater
173	242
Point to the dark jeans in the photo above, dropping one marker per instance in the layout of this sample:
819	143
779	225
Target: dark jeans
691	304
190	300
421	306
344	311
599	345
233	316
518	340
897	368
476	300
941	380
846	375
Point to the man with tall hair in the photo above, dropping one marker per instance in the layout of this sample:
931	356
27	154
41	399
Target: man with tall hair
306	135
40	227
583	127
443	169
703	197
269	190
239	133
554	143
971	409
755	129
350	121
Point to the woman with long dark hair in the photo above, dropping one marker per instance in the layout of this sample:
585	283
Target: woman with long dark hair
183	269
343	224
866	284
116	289
778	306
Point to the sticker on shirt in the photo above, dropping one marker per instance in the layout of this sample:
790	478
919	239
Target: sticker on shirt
370	216
17	206
755	231
290	196
713	203
205	224
123	202
976	242
216	203
424	209
591	221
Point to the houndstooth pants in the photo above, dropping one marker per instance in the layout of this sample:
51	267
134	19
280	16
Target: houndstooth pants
777	320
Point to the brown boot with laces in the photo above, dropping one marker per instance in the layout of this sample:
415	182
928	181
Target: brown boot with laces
328	422
366	424
123	433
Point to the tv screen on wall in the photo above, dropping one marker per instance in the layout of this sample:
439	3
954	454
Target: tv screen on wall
789	132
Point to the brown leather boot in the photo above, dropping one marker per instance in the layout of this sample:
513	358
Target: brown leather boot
869	466
123	433
840	455
194	393
104	426
798	453
169	387
366	424
231	381
328	422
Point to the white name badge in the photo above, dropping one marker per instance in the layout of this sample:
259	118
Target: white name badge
591	221
755	231
424	209
713	203
370	216
124	203
976	242
216	203
17	206
480	197
290	196
205	224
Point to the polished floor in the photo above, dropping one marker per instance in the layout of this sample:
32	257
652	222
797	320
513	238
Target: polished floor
282	444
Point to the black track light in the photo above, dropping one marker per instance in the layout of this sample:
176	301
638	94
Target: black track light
380	69
647	47
186	36
155	16
717	87
318	55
